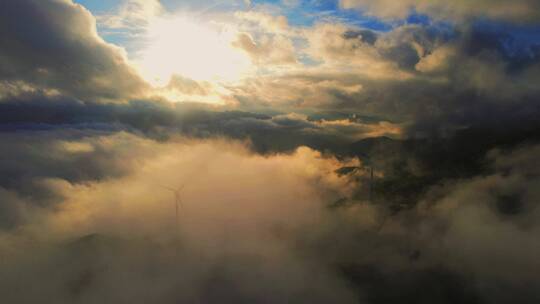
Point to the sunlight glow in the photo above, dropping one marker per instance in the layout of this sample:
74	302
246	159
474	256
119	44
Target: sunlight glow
184	46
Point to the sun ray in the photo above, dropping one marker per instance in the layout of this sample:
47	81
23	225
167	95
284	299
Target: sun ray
182	45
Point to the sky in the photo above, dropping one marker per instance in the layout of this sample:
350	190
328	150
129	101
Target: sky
232	53
283	151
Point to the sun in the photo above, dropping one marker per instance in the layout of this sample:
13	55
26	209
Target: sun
181	45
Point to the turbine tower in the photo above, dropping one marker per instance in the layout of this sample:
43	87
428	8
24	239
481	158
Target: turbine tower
177	201
177	191
371	183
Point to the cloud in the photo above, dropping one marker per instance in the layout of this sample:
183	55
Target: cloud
268	22
340	48
491	219
277	205
234	240
53	45
189	86
246	196
408	74
518	11
263	228
132	14
350	64
271	132
266	38
273	50
401	74
436	61
73	156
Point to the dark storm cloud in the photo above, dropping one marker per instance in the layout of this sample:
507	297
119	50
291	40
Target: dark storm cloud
54	45
39	109
267	132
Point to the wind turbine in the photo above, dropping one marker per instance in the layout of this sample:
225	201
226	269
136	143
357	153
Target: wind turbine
371	183
177	191
177	200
